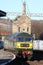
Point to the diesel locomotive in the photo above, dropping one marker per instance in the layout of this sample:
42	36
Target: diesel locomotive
21	43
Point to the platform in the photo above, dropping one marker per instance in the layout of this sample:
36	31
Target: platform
5	57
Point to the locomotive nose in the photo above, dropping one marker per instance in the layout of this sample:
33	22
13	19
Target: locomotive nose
25	52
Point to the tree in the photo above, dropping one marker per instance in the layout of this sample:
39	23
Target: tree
41	36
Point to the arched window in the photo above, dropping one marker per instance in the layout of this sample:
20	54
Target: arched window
27	29
18	29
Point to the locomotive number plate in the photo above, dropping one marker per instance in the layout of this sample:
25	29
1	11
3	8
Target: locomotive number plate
24	45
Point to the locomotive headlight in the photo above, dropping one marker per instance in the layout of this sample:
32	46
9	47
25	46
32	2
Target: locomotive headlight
18	45
30	45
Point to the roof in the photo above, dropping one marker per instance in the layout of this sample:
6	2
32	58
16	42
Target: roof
5	26
2	13
22	17
4	33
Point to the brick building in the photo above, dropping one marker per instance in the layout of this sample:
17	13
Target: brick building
5	27
22	23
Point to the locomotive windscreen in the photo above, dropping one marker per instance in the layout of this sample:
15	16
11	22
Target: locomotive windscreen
21	39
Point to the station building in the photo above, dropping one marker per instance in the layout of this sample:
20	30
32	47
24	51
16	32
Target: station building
22	23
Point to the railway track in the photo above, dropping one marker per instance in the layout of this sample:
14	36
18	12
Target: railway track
37	59
18	61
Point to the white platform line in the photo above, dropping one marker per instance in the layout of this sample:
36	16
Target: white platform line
9	60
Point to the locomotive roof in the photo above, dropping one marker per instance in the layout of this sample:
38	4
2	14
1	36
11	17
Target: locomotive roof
11	36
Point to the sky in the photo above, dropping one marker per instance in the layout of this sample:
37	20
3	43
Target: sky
32	6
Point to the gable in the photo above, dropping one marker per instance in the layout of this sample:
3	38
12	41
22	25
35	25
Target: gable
22	19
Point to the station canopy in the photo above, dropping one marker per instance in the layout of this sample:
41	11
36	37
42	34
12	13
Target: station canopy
2	13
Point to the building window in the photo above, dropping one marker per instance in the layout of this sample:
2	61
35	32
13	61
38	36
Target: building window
27	29
19	29
23	29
